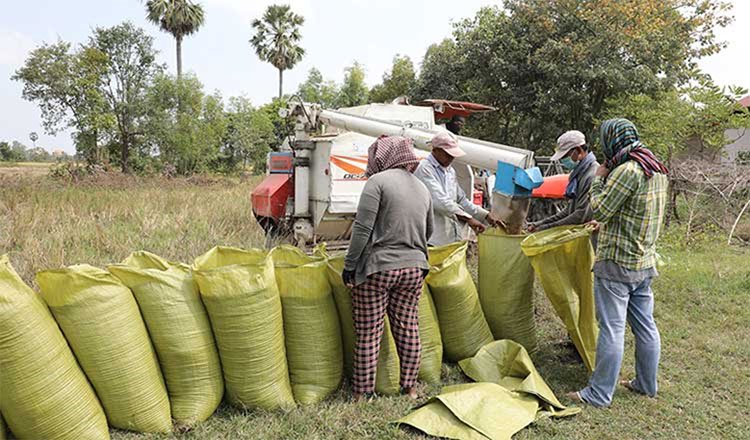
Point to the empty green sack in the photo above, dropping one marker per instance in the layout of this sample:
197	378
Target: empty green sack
43	392
102	323
239	290
387	377
462	324
431	365
311	324
506	288
562	258
177	321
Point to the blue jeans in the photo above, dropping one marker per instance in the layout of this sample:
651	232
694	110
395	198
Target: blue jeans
616	302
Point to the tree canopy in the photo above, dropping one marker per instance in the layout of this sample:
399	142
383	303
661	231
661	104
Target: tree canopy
354	90
179	18
276	39
550	65
400	81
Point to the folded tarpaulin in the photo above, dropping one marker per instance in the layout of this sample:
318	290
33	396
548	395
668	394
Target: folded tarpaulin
510	396
562	258
508	364
474	411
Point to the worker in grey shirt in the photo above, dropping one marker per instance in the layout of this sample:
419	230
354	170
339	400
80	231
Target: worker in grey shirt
452	209
387	261
574	155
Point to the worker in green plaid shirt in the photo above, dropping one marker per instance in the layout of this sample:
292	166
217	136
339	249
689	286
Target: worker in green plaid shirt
628	197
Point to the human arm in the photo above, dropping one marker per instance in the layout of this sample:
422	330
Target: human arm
607	197
364	222
442	203
580	211
476	212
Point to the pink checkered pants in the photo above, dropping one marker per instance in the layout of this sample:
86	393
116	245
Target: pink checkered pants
397	293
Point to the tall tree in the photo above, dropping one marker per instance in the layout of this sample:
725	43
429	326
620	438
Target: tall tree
276	39
184	126
67	86
550	65
131	66
400	81
354	90
317	90
250	135
179	18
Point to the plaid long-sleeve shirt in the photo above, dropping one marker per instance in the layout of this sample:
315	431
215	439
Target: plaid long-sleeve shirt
631	209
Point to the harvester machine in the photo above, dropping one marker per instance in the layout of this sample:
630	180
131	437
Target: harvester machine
313	185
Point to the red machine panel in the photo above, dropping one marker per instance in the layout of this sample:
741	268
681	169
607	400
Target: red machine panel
269	198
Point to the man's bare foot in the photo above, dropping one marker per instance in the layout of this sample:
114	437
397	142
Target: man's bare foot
575	396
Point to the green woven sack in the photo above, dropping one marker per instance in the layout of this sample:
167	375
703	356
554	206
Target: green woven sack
432	343
239	290
311	324
101	321
506	288
563	258
387	378
43	392
171	307
462	324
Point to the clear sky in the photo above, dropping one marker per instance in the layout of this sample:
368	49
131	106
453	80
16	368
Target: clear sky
336	32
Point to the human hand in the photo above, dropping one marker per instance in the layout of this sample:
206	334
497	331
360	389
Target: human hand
602	171
348	277
494	221
476	225
531	227
594	225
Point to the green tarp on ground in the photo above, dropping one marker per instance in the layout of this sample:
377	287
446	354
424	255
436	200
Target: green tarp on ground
102	323
563	258
431	366
388	370
462	324
43	392
506	287
510	396
507	363
239	290
474	411
311	324
178	324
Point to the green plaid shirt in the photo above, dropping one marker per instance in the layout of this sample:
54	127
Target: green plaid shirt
630	208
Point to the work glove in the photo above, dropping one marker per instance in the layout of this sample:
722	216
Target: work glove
348	276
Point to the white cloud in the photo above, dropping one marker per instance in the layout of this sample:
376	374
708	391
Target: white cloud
14	47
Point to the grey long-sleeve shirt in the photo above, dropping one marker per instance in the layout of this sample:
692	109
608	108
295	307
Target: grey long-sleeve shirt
579	209
393	223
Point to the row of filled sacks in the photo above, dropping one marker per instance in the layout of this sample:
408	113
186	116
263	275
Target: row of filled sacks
111	330
102	368
276	318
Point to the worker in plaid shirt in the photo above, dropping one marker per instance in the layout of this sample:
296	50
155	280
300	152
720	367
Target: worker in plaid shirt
628	197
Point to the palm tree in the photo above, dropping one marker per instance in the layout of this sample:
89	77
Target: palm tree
276	37
177	17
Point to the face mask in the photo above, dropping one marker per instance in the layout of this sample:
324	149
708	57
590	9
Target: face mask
568	164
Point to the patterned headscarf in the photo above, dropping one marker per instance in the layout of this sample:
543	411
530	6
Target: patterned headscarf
391	152
621	143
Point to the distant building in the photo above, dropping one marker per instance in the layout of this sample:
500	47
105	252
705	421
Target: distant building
58	154
738	152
